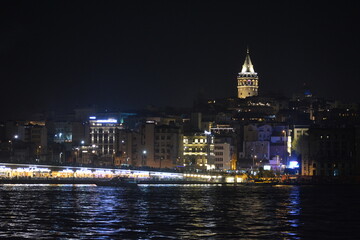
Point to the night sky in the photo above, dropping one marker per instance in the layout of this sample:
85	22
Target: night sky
58	55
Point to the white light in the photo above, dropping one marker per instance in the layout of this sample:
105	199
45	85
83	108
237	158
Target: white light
267	167
230	179
293	164
110	120
92	117
82	142
16	136
4	169
83	171
144	152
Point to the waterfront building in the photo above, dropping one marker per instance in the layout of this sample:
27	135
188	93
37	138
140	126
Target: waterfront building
103	135
168	146
280	145
247	79
199	150
155	143
223	152
332	151
256	145
225	147
129	150
160	145
34	133
85	155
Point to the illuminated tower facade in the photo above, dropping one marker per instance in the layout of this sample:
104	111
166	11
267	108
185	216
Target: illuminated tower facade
247	79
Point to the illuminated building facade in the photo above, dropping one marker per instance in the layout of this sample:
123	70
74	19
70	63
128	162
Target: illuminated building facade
103	134
199	151
247	79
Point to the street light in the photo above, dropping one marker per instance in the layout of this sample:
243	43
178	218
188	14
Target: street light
285	147
161	158
143	158
60	157
254	157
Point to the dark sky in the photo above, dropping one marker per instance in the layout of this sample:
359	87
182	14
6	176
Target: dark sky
128	54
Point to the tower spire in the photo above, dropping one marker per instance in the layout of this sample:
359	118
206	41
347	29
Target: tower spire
247	78
247	66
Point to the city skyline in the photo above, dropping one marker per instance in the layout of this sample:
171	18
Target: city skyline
60	55
219	119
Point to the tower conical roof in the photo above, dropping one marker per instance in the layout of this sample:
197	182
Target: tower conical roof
247	66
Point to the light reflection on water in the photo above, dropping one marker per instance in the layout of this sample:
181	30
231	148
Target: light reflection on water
177	212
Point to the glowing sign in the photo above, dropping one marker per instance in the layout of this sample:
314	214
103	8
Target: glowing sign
267	167
293	164
110	120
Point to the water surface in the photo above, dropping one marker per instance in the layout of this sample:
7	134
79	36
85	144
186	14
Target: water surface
179	212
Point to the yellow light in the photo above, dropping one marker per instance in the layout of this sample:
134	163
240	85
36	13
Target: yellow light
230	179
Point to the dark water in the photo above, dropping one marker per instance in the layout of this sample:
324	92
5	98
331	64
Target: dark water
179	212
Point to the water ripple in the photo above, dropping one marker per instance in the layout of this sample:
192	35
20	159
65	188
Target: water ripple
177	212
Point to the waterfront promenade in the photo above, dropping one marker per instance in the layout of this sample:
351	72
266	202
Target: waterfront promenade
50	174
11	173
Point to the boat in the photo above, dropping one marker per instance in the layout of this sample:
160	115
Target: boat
118	182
